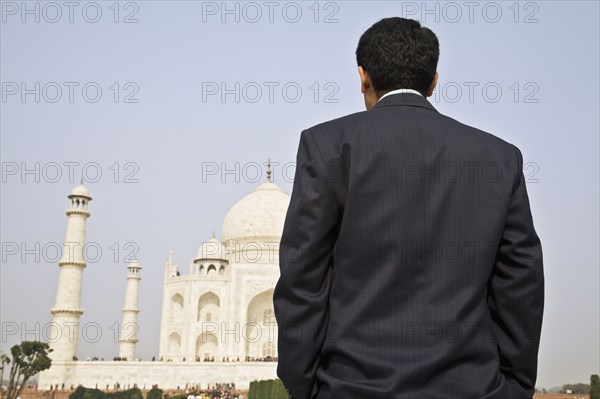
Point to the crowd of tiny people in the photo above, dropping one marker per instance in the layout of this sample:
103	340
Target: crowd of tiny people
225	359
192	391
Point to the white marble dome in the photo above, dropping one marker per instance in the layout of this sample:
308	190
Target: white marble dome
259	216
211	249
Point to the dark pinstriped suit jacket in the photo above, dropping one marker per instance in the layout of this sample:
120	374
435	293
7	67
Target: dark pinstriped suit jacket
410	267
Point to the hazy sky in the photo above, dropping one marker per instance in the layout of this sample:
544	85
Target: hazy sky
167	108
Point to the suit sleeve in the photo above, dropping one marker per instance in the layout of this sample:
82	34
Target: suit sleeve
516	291
302	292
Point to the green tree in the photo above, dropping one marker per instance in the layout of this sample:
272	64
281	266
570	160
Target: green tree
279	391
4	361
135	393
28	359
154	393
578	389
93	394
267	389
261	391
77	393
595	386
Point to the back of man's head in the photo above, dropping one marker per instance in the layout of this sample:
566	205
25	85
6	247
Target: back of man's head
398	53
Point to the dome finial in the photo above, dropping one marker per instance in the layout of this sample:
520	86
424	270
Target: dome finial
269	170
81	181
213	234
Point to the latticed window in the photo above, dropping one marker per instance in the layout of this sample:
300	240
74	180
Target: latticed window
268	349
269	317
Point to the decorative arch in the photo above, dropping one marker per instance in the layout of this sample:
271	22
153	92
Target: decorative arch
259	333
207	346
174	344
176	308
211	268
209	305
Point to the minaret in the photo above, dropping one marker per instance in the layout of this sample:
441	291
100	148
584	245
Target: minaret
67	311
129	328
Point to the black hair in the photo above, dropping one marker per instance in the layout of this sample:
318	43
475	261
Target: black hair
399	54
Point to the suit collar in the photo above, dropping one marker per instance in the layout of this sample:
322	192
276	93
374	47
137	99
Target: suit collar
406	99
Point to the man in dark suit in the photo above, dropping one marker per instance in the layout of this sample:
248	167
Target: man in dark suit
410	266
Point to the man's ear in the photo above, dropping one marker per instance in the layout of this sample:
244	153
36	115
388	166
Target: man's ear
365	80
432	86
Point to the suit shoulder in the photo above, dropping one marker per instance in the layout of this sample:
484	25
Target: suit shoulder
333	133
336	131
483	137
339	124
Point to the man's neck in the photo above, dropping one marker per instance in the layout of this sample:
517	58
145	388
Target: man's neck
399	91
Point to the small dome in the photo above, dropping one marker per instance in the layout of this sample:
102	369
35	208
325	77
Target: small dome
260	215
80	191
135	264
211	249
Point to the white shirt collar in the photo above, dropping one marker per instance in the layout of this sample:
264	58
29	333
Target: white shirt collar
398	91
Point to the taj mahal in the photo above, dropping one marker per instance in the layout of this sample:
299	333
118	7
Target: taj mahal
217	323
